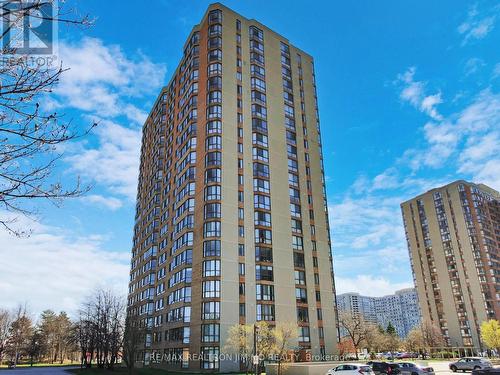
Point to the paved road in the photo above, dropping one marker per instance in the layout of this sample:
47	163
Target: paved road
37	371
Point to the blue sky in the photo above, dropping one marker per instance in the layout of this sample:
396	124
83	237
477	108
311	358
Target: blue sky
409	97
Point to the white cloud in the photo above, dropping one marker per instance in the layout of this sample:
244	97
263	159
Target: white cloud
369	285
102	80
109	202
414	92
53	269
114	162
473	65
496	71
477	26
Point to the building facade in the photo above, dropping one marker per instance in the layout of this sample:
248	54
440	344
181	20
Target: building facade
400	309
231	221
453	235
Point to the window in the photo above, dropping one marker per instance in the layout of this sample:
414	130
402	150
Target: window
242	309
215	42
211	289
262	218
259	97
261	185
211	248
293	165
211	229
290	123
214	97
260	154
241	250
298	260
241	231
214	127
262	201
291	137
210	332
212	175
214	83
213	159
256	45
214	111
263	254
263	236
263	272
215	55
209	357
260	170
257	71
265	312
300	277
215	16
289	111
259	124
259	111
210	310
297	243
213	142
259	139
212	192
258	84
296	226
295	210
301	295
256	33
241	269
214	30
212	211
302	314
211	268
304	334
264	292
293	179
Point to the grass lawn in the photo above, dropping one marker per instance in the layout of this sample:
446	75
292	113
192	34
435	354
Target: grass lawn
24	365
123	370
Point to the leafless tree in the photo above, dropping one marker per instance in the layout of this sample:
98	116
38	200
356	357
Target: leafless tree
20	333
31	136
5	322
285	335
132	339
99	331
356	328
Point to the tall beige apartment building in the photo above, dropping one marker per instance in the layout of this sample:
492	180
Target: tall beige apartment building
453	235
231	223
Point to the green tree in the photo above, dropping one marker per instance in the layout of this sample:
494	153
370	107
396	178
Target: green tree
391	330
490	334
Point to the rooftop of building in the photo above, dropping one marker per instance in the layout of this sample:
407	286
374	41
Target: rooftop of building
480	186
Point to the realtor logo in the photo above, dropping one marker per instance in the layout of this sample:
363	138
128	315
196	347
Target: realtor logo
28	27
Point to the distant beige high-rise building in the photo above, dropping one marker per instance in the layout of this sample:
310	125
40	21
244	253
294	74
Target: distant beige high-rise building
453	235
231	224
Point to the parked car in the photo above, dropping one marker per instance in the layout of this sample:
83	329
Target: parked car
470	363
486	371
409	368
351	369
384	368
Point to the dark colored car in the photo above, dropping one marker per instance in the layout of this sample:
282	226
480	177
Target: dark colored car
384	368
486	371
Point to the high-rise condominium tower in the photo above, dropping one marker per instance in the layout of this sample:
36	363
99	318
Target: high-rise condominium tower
400	309
231	224
453	235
